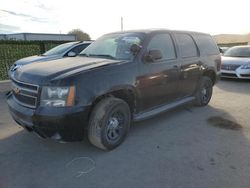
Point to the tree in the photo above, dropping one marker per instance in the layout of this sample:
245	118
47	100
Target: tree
80	35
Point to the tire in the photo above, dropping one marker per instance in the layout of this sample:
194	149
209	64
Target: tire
109	123
204	91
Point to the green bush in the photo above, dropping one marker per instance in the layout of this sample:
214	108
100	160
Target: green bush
11	51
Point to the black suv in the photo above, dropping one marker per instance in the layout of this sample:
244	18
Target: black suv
121	77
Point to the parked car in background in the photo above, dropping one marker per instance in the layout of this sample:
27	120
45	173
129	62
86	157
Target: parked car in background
121	77
236	63
223	49
70	49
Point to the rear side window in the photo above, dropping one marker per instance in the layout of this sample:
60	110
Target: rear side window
206	44
79	48
164	43
186	45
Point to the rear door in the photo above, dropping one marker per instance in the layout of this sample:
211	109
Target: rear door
158	81
189	64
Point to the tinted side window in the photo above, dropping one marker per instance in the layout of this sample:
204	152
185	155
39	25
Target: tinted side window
186	45
79	48
206	44
164	43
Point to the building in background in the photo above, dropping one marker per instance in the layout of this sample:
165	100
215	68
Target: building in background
2	37
232	39
38	37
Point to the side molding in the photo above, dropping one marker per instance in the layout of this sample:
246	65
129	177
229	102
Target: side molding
158	110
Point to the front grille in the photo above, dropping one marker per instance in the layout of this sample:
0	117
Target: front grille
25	94
229	67
245	75
229	75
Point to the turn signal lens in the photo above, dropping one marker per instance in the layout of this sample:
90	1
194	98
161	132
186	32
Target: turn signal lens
71	96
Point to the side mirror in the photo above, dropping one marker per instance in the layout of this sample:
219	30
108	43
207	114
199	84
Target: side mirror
72	54
153	55
135	48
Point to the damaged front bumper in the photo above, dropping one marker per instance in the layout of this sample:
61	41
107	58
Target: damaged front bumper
62	124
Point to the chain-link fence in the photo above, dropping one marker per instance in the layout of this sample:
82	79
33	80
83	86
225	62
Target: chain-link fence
10	51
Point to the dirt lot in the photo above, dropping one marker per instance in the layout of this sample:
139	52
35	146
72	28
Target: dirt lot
187	147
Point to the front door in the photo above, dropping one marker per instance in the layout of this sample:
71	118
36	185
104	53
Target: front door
158	80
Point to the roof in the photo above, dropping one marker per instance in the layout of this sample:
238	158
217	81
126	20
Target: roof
78	42
85	41
147	31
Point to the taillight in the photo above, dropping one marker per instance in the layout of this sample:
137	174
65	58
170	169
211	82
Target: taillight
218	63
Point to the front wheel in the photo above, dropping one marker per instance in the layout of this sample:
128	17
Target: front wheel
204	91
109	123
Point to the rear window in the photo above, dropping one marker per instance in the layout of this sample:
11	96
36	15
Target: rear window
206	45
186	45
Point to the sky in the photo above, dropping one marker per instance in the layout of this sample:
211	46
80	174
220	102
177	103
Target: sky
98	17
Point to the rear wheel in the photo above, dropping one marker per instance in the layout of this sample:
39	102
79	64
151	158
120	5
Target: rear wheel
204	91
109	123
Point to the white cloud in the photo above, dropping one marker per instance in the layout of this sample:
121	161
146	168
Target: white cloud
98	17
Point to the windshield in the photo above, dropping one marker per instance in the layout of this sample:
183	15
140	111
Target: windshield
114	46
59	49
238	52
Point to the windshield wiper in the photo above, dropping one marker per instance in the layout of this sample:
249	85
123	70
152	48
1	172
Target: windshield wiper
83	55
100	55
104	55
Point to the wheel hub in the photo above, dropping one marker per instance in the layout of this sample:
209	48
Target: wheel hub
113	129
204	91
113	123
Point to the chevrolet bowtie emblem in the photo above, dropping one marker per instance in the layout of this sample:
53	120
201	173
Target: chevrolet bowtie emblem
16	90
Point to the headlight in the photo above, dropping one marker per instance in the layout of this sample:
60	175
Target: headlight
246	66
57	96
15	67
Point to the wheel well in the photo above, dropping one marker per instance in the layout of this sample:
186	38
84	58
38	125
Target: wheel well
124	94
211	74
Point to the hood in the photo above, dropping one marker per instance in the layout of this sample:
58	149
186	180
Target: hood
235	60
35	58
44	72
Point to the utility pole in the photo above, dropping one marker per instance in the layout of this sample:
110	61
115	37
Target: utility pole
121	23
60	35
